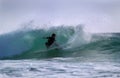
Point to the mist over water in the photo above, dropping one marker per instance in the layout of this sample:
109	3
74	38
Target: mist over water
96	16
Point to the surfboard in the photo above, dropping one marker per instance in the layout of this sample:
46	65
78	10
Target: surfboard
48	50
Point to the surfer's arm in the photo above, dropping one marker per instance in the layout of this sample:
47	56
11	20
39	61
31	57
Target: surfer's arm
46	37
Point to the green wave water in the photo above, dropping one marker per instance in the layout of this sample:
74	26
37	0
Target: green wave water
29	44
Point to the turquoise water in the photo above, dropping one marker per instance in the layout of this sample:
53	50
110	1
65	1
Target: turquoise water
73	42
82	55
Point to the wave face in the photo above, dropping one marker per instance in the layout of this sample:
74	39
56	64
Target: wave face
29	44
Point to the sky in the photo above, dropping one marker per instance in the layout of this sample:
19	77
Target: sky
96	15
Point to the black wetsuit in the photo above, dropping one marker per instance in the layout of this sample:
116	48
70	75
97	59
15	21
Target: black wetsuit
51	40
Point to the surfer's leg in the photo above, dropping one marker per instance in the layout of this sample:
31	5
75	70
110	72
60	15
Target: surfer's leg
56	44
48	44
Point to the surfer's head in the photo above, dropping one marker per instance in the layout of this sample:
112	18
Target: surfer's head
53	35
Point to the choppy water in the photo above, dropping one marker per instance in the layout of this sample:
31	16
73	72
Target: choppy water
58	68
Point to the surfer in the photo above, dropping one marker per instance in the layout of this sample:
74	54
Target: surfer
51	40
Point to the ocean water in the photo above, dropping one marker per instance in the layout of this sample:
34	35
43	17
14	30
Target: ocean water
80	55
58	68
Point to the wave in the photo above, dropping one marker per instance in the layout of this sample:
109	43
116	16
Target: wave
29	44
